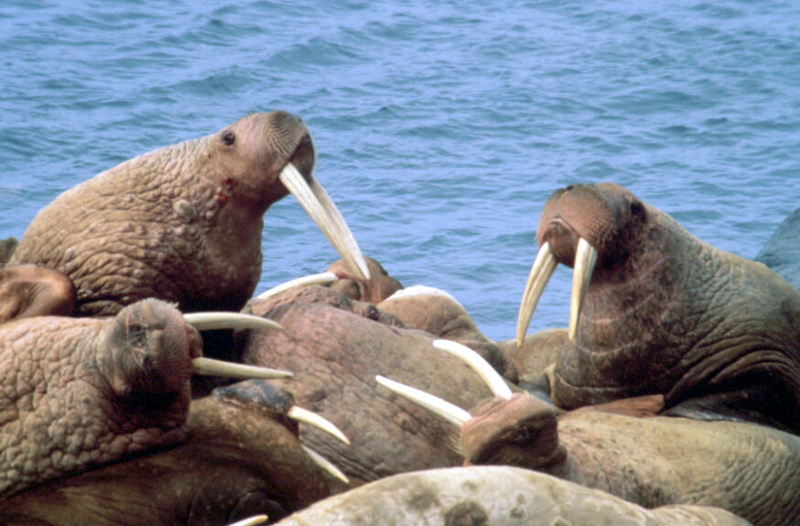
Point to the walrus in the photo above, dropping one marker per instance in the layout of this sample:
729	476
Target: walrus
624	448
492	495
76	393
242	456
184	223
657	311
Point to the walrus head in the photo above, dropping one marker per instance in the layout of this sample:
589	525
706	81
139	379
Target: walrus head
656	311
184	223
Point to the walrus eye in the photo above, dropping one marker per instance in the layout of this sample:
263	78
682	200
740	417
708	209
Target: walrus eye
228	138
637	208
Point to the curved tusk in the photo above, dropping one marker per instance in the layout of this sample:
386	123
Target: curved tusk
585	259
313	279
326	464
475	361
450	412
541	272
212	367
311	418
318	204
208	321
251	521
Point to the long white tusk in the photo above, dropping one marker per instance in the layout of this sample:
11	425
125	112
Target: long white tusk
208	321
450	412
585	258
541	272
326	464
318	204
476	362
212	367
251	521
314	279
311	418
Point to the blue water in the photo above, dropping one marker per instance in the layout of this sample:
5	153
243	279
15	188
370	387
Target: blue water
441	127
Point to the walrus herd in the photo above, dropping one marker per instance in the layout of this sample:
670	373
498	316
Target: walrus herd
672	397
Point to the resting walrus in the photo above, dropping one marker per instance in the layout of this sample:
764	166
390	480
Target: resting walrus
183	223
657	311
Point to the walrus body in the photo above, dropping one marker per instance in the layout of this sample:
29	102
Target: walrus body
241	457
77	393
182	223
665	313
500	496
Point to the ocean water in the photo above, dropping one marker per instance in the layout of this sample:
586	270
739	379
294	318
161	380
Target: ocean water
441	127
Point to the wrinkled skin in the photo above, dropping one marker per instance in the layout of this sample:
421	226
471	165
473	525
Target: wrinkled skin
500	496
336	346
78	393
781	252
665	313
374	290
182	223
748	469
242	457
27	291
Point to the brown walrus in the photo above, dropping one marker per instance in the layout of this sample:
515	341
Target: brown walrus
29	290
76	393
183	223
657	311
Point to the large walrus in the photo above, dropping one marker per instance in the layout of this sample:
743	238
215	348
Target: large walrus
657	311
184	223
496	496
76	393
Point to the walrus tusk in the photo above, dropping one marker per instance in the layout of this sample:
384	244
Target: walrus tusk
318	204
476	362
541	272
326	464
311	418
450	412
251	521
212	367
585	259
208	321
313	279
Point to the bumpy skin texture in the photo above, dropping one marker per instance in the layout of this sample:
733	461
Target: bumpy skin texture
28	290
781	252
77	393
336	346
182	223
668	314
242	457
748	469
500	496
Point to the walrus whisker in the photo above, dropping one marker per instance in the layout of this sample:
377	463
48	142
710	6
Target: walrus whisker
317	204
585	259
208	321
450	412
212	367
311	418
541	272
251	521
475	361
312	279
326	464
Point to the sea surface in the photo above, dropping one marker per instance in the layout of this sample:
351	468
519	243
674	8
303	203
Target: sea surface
441	127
